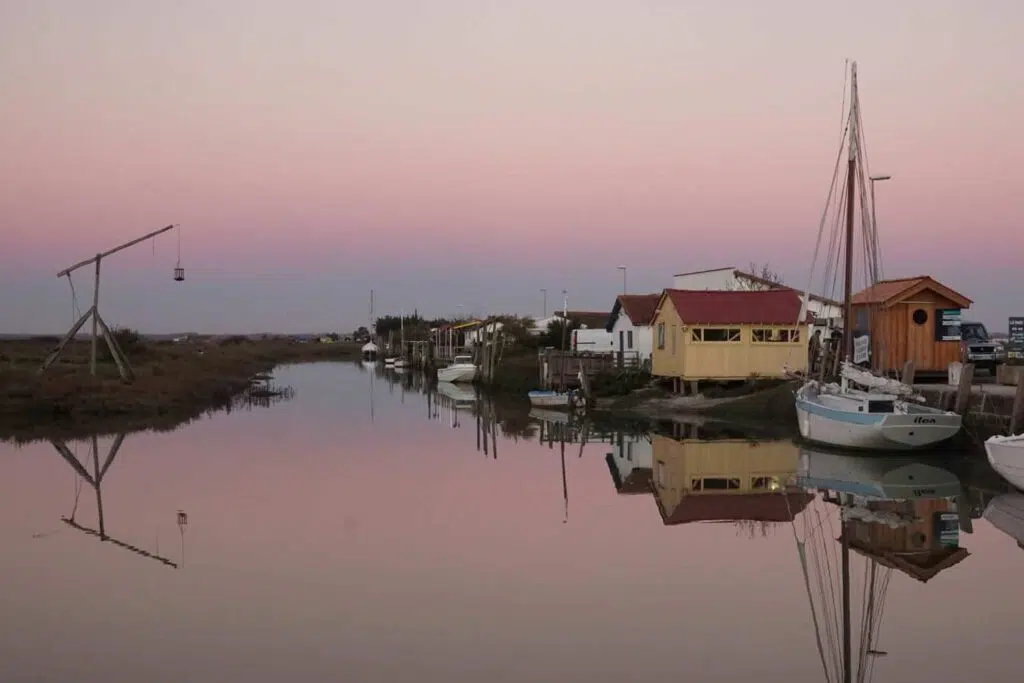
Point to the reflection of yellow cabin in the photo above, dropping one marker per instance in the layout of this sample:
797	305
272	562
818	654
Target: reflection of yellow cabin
727	479
915	549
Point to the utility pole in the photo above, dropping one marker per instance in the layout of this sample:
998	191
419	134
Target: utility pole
98	325
544	293
623	269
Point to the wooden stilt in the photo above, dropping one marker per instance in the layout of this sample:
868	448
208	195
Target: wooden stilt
55	354
123	368
1017	413
963	393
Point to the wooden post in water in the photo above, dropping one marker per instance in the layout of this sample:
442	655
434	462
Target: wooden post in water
1017	413
963	392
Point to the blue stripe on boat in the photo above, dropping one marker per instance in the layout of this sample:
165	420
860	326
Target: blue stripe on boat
840	415
839	485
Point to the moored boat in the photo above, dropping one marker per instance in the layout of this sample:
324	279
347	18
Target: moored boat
462	369
1006	455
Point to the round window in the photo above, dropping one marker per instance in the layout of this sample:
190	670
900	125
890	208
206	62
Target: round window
920	316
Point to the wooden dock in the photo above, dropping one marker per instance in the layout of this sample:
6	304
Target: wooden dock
561	368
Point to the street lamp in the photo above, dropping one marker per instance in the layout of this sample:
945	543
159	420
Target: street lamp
544	293
874	223
565	304
623	269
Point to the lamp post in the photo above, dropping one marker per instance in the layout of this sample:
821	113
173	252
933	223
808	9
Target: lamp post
874	225
565	304
623	269
544	293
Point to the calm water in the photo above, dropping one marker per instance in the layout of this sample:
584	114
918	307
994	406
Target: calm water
332	538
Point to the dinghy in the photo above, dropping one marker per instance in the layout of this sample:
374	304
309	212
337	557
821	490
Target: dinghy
1006	455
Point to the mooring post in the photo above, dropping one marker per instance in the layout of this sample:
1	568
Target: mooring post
963	392
908	373
1017	413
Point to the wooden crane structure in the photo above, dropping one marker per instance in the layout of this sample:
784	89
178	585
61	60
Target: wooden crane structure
98	325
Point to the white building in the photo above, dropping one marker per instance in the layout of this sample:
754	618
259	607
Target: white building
630	463
827	312
630	325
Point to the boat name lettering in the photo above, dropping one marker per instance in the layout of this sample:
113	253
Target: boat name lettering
924	492
924	420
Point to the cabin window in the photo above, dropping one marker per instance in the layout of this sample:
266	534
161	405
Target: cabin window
661	335
715	334
715	484
920	316
769	335
629	339
881	406
766	482
862	322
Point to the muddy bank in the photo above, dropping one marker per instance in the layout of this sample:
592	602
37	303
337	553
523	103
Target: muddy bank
772	403
174	384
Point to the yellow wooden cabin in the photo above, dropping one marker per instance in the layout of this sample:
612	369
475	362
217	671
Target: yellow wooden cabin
725	480
912	319
728	335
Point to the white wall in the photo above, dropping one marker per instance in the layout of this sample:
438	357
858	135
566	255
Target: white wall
714	280
635	452
643	337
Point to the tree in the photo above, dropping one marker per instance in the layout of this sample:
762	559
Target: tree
560	331
764	279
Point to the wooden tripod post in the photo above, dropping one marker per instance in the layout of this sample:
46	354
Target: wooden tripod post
98	325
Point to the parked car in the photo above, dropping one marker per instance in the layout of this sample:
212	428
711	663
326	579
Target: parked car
978	347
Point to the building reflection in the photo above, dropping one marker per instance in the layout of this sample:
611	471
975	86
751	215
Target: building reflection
697	479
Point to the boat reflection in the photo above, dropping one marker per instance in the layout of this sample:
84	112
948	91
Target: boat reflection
898	513
1006	513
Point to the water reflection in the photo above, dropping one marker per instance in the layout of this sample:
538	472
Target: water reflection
95	482
387	495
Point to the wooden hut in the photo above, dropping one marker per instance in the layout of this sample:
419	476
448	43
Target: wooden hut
915	319
716	335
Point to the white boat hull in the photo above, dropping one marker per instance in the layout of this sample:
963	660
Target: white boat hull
823	420
463	396
457	373
389	361
883	477
1006	455
551	399
401	363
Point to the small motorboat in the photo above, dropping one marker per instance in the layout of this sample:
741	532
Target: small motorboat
390	361
370	351
462	369
462	397
1006	455
1006	513
555	399
401	363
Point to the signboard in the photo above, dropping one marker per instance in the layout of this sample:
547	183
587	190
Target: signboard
947	528
947	324
861	349
1016	330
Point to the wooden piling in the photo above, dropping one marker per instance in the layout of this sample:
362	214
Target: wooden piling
1017	413
963	392
908	373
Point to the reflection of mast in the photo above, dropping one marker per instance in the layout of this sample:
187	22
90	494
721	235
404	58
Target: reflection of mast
95	480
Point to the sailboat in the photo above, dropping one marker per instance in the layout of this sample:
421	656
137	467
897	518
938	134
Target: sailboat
370	349
863	410
402	361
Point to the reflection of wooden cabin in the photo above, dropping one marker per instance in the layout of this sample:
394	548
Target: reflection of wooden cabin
630	463
725	480
917	549
905	319
709	335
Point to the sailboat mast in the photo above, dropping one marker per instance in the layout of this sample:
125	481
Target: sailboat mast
851	172
845	554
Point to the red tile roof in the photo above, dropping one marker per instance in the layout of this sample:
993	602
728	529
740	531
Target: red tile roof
770	307
639	307
729	507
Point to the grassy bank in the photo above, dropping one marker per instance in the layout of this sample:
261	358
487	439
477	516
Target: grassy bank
174	383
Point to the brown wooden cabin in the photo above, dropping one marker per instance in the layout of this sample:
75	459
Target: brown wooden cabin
905	319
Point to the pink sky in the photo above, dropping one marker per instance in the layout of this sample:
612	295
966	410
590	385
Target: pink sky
473	152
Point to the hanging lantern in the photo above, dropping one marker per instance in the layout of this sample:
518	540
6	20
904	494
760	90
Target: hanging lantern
182	518
179	274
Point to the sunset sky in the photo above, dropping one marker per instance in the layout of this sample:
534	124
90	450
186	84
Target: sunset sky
461	155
